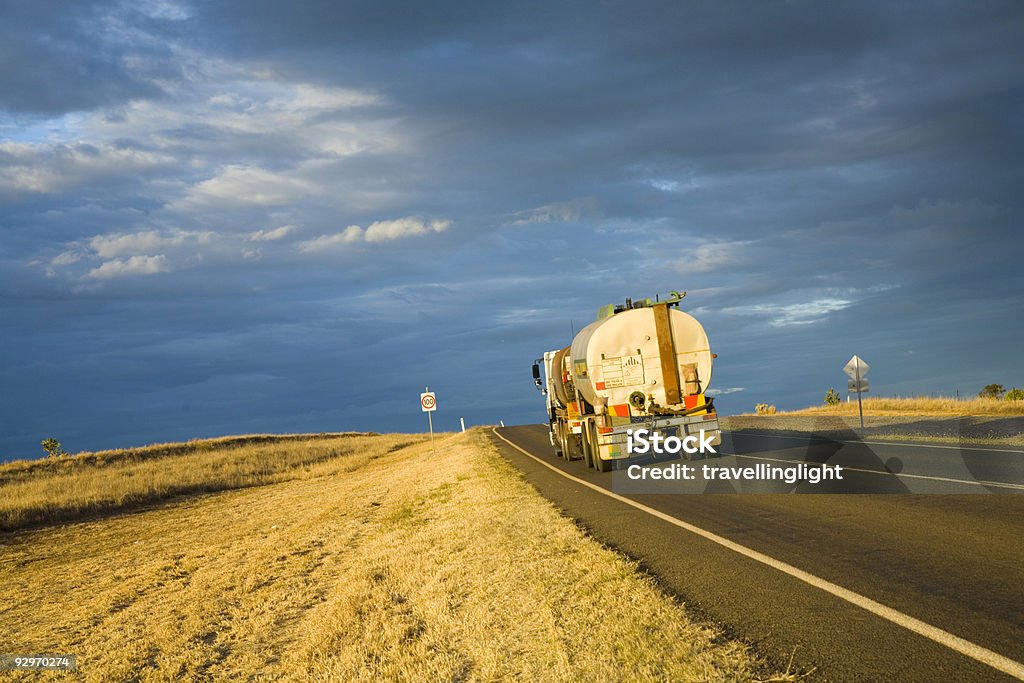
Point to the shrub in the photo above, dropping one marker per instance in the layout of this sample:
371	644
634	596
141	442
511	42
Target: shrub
53	448
832	397
1014	394
764	409
992	391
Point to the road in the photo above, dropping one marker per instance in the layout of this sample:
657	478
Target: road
952	562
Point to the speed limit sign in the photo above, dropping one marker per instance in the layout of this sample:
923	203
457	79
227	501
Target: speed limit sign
428	402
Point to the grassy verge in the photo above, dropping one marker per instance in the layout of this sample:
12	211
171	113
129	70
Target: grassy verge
1000	432
406	567
1011	442
949	421
943	407
44	491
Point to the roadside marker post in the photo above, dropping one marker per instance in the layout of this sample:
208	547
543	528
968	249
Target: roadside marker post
428	402
462	421
856	369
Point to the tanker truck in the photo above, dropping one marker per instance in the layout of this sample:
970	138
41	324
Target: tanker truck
641	365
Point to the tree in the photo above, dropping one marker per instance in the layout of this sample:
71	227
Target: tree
832	397
1014	394
992	391
53	448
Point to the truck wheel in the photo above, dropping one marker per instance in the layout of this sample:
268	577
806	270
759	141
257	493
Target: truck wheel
599	464
555	441
566	442
588	445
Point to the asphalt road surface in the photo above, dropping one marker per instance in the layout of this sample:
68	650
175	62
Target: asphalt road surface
867	587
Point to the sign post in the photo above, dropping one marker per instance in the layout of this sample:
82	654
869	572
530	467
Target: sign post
856	369
428	402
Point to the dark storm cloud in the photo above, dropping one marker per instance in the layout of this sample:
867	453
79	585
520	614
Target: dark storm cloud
224	217
57	57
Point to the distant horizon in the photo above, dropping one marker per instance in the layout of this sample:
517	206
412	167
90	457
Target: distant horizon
6	458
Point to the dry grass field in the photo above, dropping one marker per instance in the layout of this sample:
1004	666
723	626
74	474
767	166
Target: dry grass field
881	406
1001	432
972	422
339	559
48	490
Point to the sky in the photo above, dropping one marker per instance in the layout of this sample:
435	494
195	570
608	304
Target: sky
234	217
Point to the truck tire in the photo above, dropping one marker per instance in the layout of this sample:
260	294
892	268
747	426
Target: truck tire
588	444
553	437
595	451
576	447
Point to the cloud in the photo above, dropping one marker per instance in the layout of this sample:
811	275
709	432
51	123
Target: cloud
712	256
71	58
65	258
226	135
687	182
131	253
558	213
50	167
308	99
804	313
263	104
145	241
163	9
205	248
228	110
384	231
723	392
352	233
663	184
61	260
135	265
272	235
378	231
239	186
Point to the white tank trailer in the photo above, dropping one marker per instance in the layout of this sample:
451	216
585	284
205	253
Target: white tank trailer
641	365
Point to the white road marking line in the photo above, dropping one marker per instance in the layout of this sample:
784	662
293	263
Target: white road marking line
1000	484
994	449
953	642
